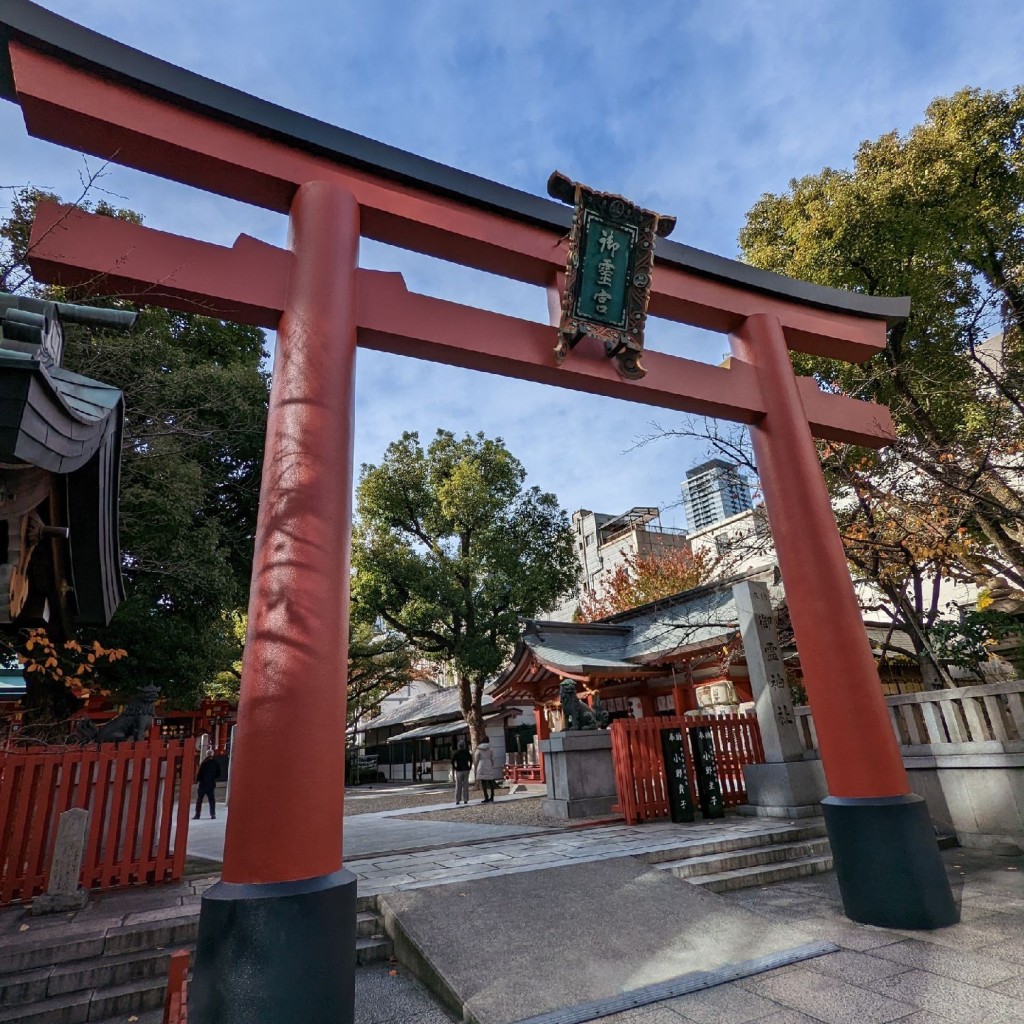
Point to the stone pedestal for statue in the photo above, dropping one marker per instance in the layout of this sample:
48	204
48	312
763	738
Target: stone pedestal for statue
580	775
62	891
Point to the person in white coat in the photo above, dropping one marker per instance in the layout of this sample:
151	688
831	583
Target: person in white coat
486	769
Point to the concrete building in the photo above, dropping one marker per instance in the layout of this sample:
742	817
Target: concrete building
604	542
713	491
742	540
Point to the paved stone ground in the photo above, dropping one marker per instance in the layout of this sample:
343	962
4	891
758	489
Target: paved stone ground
453	861
972	973
371	832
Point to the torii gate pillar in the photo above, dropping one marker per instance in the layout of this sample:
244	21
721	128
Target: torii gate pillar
286	908
882	839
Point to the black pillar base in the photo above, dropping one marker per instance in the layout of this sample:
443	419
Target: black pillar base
888	863
276	953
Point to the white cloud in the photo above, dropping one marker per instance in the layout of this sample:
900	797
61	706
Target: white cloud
694	110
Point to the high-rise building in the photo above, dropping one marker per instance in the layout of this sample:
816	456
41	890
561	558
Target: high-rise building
713	491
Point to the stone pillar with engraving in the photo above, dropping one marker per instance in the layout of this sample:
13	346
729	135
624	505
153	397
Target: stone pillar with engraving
787	785
62	889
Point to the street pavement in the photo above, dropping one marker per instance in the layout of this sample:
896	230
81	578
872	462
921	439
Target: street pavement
367	834
970	973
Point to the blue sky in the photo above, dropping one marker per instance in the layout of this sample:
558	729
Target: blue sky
690	108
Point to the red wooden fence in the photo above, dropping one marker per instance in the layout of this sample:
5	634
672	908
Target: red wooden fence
129	790
176	996
640	769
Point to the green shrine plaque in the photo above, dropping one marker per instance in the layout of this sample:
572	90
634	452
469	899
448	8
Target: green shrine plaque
608	272
603	292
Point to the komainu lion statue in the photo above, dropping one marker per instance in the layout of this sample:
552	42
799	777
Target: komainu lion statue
577	715
132	724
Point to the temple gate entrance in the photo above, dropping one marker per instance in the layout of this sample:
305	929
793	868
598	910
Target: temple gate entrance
276	934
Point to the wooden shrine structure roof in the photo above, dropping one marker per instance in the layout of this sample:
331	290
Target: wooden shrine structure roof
638	644
60	443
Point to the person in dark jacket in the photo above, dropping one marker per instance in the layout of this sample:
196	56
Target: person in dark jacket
462	762
209	773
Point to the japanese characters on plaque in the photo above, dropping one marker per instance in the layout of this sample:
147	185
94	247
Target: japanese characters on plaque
759	629
608	272
709	790
677	783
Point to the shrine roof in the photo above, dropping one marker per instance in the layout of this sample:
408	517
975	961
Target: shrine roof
81	47
431	706
631	644
448	728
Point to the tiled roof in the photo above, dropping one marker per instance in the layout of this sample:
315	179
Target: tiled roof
432	706
630	640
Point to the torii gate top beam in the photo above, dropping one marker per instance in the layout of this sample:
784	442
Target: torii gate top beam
127	106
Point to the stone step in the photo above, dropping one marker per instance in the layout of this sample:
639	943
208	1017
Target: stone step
719	863
368	924
784	834
145	1017
83	975
159	931
373	948
128	999
72	1009
123	973
763	874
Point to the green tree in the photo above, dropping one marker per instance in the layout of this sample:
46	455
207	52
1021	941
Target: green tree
379	664
451	549
195	400
937	214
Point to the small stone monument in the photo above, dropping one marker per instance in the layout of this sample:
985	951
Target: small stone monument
62	890
789	784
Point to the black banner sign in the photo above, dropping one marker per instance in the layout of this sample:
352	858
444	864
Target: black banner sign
708	789
673	750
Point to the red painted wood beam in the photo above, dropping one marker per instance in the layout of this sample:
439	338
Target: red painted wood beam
245	284
73	108
248	281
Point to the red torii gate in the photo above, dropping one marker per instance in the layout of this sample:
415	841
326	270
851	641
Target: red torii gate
277	934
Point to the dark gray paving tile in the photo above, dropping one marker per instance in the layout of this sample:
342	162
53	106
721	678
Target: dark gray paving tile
832	1000
856	968
972	936
849	935
922	1017
1012	952
966	1004
726	1004
789	1017
964	965
656	1013
1013	987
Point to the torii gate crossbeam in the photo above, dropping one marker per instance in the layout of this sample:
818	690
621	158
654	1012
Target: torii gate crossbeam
277	934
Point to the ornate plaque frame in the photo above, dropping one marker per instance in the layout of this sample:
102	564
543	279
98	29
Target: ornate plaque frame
602	224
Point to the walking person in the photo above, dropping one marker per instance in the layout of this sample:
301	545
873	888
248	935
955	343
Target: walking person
461	764
209	773
486	770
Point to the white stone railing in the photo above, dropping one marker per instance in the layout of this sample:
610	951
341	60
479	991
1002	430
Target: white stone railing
983	719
